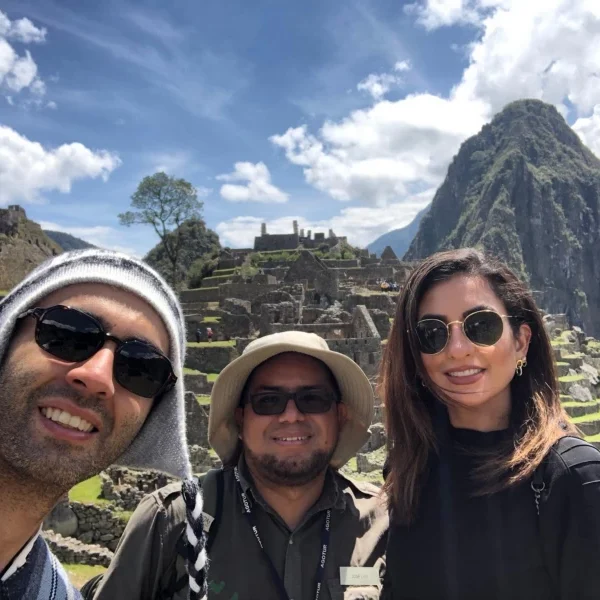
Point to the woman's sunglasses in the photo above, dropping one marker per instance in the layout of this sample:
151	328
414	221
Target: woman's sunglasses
72	335
308	401
483	328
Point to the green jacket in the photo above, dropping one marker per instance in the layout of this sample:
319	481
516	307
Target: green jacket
147	563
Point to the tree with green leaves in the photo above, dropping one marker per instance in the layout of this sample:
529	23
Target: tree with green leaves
165	203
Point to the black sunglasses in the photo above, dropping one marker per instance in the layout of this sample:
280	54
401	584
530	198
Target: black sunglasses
483	328
308	401
72	335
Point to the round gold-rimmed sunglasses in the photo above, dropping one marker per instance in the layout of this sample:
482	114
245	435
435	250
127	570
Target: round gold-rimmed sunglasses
482	327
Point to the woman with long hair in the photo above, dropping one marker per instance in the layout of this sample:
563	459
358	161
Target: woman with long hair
492	494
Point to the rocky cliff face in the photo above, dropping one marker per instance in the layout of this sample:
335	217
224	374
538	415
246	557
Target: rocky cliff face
23	246
527	190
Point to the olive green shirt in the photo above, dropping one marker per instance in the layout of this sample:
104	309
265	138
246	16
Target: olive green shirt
146	562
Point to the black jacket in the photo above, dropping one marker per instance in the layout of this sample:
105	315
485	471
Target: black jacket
496	547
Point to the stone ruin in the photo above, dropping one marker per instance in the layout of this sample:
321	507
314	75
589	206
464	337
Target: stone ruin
339	300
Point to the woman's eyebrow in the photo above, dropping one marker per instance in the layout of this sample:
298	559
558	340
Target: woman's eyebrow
465	314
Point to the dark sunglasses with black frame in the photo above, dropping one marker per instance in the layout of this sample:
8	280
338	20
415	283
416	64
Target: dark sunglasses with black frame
72	335
482	327
311	401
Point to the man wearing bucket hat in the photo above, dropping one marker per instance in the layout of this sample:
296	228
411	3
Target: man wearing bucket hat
92	346
282	522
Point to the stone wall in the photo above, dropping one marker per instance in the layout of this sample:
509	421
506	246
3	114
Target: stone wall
341	264
306	267
276	241
326	284
71	551
363	325
125	488
99	525
196	421
365	352
209	359
385	302
234	326
382	323
272	315
200	295
247	291
197	383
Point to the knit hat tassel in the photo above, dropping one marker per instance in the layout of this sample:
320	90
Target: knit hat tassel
196	540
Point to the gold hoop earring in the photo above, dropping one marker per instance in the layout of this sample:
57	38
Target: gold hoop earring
522	362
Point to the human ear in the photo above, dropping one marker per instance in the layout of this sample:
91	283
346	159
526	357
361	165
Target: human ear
522	340
342	414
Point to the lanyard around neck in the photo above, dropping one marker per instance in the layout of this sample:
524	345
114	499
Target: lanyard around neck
325	536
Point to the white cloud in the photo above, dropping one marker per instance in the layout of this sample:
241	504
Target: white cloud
588	129
27	168
18	73
377	85
377	155
433	14
361	225
402	66
99	235
257	186
546	49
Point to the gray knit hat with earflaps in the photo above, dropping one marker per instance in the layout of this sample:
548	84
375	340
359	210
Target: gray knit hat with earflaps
161	443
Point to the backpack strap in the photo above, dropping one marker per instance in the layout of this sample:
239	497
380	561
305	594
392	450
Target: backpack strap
212	492
574	452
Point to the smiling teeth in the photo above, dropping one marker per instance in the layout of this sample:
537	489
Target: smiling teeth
293	439
465	373
66	419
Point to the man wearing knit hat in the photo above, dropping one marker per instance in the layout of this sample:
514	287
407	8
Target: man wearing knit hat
91	348
282	522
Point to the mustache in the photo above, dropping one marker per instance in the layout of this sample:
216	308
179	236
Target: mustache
90	402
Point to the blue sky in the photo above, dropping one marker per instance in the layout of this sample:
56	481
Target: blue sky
341	114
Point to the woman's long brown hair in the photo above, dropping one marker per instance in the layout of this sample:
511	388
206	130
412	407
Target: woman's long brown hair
537	416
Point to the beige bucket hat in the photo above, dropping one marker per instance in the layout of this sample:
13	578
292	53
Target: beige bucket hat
356	392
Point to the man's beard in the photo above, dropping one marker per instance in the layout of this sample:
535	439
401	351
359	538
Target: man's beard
289	472
57	464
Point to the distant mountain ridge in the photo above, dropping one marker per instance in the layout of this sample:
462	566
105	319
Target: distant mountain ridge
527	190
398	239
23	246
67	241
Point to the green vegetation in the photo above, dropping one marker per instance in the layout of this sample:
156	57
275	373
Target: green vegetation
203	400
212	377
88	492
224	272
572	378
593	438
586	418
124	515
211	320
187	371
574	403
169	205
80	574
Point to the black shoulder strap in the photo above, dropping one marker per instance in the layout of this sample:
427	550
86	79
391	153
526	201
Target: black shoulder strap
216	510
574	452
212	496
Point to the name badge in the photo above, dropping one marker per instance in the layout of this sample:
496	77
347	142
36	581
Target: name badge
207	521
359	575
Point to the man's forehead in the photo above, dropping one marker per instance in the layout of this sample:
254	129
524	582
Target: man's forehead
291	370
